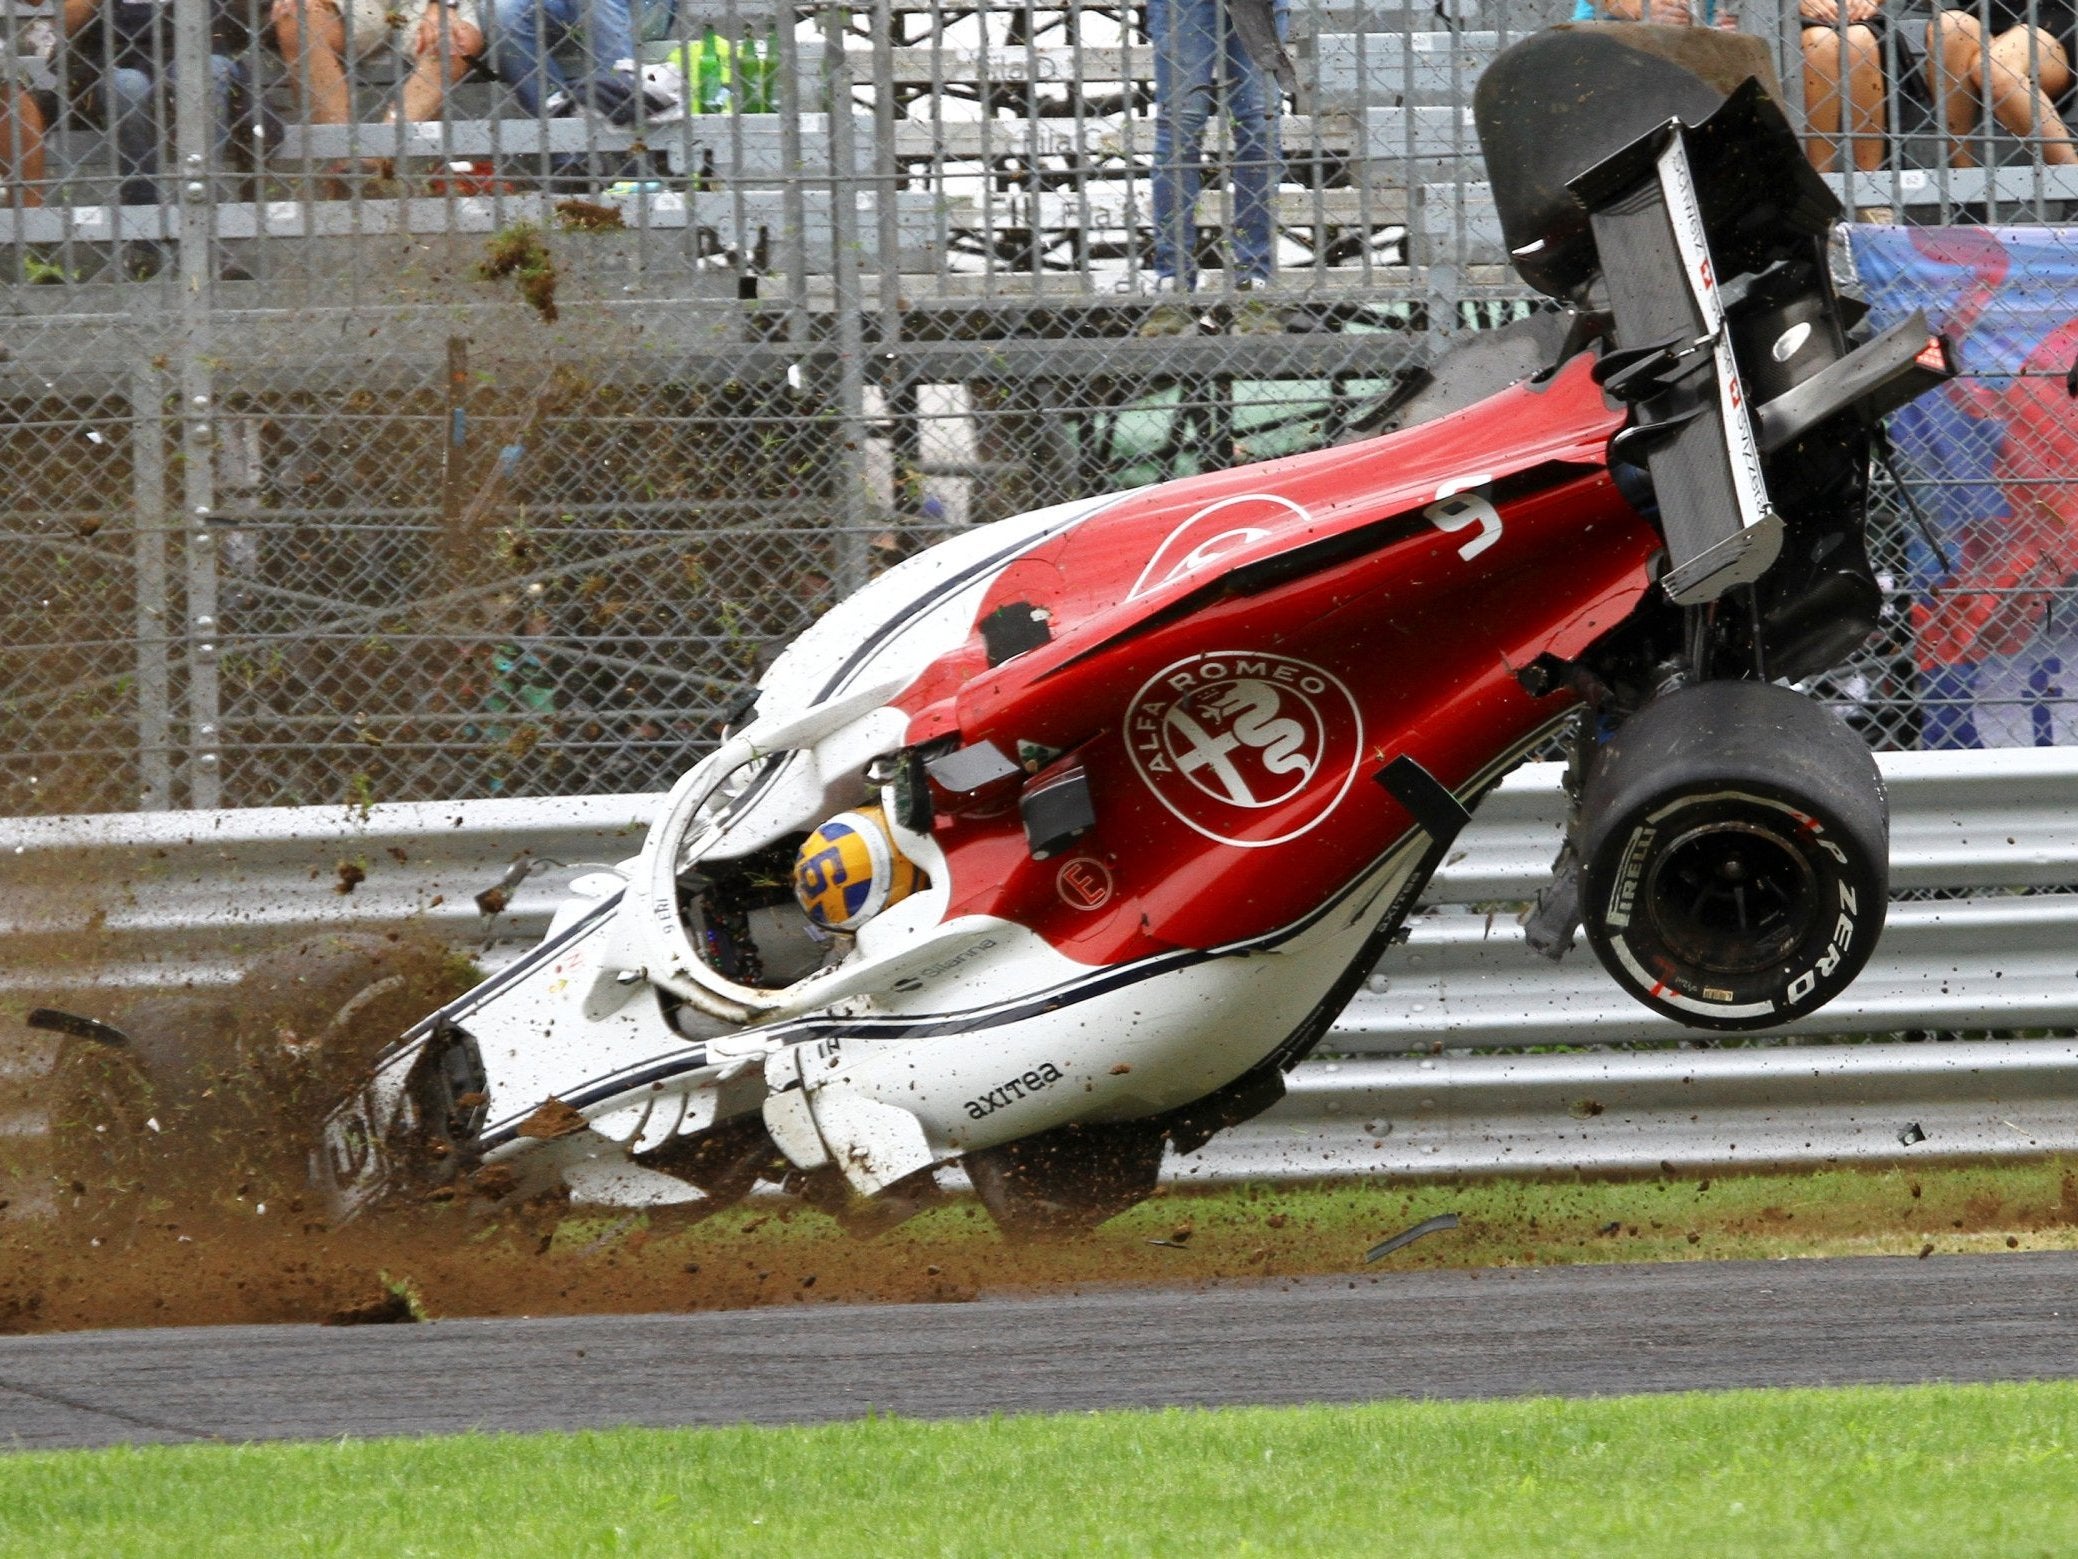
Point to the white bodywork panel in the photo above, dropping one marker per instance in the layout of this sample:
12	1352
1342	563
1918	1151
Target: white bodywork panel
930	1038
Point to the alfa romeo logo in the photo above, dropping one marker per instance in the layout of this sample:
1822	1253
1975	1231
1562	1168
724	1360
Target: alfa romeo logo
1248	749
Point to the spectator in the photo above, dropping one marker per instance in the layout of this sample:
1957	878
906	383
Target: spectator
318	37
1833	54
2017	62
1843	84
21	143
118	61
1200	45
524	31
1662	13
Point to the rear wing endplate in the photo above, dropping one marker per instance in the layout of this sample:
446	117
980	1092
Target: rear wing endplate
1694	431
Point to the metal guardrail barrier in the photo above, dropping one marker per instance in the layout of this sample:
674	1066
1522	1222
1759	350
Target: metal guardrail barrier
1642	1112
1983	937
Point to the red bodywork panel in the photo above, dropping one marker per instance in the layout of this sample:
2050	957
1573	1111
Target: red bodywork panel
1235	656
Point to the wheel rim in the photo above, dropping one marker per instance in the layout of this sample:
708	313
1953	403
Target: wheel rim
1731	898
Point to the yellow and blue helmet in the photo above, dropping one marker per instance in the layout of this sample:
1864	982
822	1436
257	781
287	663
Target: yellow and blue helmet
850	869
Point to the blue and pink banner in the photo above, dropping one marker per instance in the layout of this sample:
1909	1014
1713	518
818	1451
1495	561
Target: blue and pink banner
1992	459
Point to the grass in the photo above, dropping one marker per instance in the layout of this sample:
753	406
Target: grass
1896	1471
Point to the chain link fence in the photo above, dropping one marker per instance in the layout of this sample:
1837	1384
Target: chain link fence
409	404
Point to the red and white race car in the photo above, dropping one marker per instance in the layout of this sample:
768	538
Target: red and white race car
1056	846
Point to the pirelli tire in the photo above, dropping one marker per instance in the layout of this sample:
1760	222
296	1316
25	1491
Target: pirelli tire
1735	856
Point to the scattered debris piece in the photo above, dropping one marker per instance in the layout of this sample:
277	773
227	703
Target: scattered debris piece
1926	1250
587	216
1583	1109
1613	1227
493	1181
1914	1132
349	875
1121	1069
553	1120
389	1308
53	1020
518	252
1435	1225
609	1235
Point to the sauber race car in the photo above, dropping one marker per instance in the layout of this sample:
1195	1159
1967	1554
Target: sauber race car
1058	845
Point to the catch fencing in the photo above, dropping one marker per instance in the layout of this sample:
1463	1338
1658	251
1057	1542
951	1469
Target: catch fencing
1464	1054
492	453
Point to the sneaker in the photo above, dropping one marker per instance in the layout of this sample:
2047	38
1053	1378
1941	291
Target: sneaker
663	91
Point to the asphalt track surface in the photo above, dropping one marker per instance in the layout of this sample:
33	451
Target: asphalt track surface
1572	1331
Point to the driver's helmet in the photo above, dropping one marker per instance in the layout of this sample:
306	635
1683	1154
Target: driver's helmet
850	869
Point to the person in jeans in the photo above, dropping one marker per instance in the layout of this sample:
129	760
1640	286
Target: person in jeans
119	61
524	32
1199	52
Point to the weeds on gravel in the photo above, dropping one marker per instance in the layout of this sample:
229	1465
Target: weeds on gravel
1892	1471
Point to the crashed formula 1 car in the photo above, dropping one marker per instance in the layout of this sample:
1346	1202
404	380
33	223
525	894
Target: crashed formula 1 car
1059	844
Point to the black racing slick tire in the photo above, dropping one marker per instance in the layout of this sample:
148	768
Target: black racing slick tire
1735	856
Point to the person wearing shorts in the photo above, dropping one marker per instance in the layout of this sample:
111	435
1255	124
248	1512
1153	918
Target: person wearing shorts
1843	66
2013	58
21	145
1661	13
1843	44
318	39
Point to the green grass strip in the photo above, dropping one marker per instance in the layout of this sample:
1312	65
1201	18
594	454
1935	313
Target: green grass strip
1891	1471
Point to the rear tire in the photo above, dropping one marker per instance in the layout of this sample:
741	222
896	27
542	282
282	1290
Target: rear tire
1734	847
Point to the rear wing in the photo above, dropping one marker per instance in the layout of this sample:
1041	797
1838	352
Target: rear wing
1674	313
